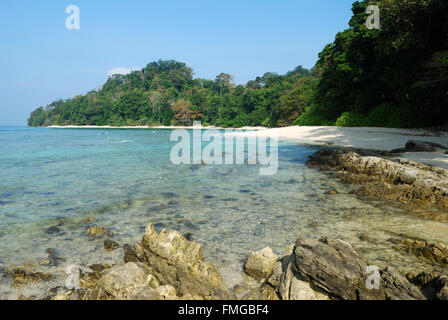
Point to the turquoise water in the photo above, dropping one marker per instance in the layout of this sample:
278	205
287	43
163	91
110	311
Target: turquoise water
52	180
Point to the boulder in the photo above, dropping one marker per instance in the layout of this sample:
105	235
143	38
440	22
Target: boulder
179	263
293	287
260	263
332	266
419	146
131	281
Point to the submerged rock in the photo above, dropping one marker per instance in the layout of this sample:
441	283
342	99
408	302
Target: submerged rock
98	231
22	277
110	245
436	253
259	265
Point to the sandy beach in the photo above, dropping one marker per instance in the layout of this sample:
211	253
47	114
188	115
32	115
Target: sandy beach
384	139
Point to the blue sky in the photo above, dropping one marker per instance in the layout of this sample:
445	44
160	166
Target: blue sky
41	61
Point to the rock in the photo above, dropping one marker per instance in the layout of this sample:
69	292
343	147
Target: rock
98	231
397	287
179	263
443	292
432	286
333	191
97	267
167	292
110	245
436	253
53	230
401	180
129	253
131	281
419	146
268	293
61	296
22	277
259	265
292	286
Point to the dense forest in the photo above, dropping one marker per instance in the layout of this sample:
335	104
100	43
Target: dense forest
396	76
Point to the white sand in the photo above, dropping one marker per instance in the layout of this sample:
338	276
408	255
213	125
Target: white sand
384	139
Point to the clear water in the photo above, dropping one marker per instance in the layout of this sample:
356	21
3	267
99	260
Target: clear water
124	179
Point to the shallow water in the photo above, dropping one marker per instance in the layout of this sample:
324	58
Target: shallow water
52	180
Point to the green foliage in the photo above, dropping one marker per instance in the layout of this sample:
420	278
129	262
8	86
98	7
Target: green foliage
350	119
396	77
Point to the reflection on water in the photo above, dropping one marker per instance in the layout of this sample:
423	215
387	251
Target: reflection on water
53	180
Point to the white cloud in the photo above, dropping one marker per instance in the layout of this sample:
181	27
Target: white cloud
122	70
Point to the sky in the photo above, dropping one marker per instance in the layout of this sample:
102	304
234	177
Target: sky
42	61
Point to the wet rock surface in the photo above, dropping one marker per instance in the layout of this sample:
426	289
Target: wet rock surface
98	231
398	180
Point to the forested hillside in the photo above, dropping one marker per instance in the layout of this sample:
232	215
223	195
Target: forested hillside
396	76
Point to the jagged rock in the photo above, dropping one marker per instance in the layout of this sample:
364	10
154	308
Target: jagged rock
292	286
129	253
22	277
443	292
260	263
436	253
110	245
98	231
397	287
398	180
330	265
432	286
129	281
267	292
335	268
179	263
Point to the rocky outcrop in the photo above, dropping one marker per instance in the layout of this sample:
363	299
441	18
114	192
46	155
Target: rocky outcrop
331	269
131	281
161	266
399	180
436	253
180	263
260	263
22	277
419	146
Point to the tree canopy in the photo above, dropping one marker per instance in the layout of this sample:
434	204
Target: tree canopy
396	76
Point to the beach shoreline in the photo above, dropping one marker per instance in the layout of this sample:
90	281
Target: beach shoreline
367	138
